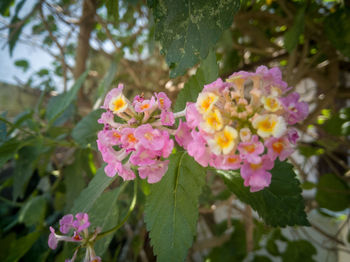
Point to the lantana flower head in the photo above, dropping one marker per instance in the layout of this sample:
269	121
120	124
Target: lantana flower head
244	123
75	230
140	138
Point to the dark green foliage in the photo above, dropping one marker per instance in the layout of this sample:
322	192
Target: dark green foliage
337	28
187	30
206	73
291	38
233	250
85	132
280	204
171	210
332	193
299	250
57	105
89	195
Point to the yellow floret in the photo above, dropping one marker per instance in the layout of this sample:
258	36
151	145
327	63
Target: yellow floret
269	125
271	103
118	104
224	141
212	121
205	102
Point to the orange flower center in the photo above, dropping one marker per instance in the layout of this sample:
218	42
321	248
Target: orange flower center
277	146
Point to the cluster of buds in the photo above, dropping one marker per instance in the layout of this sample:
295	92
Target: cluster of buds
135	135
244	123
80	235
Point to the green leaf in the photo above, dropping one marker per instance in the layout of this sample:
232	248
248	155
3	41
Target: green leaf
332	193
337	29
291	37
206	73
90	194
7	150
21	246
272	247
33	212
233	250
24	169
3	128
57	105
112	10
300	250
74	181
187	30
171	210
24	64
280	204
85	132
104	214
261	259
5	7
108	78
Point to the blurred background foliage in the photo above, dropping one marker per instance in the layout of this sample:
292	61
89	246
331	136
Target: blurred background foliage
48	120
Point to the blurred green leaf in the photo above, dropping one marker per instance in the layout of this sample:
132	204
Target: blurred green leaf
171	210
33	212
300	250
89	195
73	180
3	129
104	214
112	9
187	30
21	246
8	150
23	64
24	168
261	259
233	250
5	7
291	37
307	185
272	247
57	105
85	132
280	204
332	193
206	73
337	29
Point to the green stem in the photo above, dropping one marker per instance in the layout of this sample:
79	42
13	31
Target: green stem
131	208
14	126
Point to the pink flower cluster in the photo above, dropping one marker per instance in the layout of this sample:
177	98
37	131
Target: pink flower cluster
80	226
141	141
243	123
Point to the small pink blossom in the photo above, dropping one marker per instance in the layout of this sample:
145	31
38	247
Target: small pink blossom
198	150
138	99
256	175
296	111
164	103
52	239
217	86
145	105
167	118
66	223
279	147
111	94
128	138
193	117
81	222
106	118
293	136
126	173
251	150
183	134
168	145
150	138
155	172
143	157
227	162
